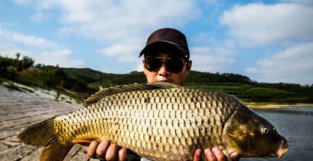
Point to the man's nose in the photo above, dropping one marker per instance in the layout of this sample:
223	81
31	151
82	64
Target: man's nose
163	70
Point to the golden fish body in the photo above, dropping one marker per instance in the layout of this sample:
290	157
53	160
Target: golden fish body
157	121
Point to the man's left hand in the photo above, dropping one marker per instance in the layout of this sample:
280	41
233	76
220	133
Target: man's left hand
214	154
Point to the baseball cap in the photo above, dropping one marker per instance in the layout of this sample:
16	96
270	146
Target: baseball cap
168	38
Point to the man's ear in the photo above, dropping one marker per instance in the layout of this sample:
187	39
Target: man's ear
188	65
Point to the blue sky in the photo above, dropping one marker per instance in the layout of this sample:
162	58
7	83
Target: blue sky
268	41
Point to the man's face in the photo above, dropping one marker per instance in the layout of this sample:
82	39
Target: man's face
164	73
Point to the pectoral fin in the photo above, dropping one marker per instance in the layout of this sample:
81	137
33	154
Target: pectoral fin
82	142
54	152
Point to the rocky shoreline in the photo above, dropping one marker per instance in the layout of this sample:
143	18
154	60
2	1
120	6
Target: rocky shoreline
21	109
278	106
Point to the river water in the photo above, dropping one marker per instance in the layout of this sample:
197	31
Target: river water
296	125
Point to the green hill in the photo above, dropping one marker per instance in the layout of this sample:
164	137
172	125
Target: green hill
85	81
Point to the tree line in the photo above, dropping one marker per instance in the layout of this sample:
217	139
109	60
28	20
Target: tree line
85	81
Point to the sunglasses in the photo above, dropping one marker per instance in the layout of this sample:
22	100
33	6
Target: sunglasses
174	65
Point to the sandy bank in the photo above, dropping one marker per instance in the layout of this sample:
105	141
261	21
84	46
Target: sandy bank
277	106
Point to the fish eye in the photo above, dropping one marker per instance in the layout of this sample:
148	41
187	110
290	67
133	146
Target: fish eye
264	130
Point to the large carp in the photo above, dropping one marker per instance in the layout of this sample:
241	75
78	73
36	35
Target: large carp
159	121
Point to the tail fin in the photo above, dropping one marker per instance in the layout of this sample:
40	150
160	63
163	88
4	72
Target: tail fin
40	134
55	152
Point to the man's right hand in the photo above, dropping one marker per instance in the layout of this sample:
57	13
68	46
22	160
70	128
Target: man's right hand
104	150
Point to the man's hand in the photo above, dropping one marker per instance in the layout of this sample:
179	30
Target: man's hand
107	151
214	154
104	150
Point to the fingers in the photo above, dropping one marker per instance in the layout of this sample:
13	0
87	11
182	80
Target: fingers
197	155
214	155
218	154
234	156
106	150
102	149
112	152
91	151
209	155
122	154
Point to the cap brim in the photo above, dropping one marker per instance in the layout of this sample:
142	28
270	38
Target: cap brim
167	44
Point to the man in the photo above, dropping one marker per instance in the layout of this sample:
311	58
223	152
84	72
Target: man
166	59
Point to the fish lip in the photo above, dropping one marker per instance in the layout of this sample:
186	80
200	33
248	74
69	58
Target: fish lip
282	152
230	154
283	148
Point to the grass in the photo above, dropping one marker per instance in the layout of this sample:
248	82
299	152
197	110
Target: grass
12	87
80	83
252	93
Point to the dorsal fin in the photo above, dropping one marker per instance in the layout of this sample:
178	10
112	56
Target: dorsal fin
127	88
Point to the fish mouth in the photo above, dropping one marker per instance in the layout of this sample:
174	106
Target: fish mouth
282	149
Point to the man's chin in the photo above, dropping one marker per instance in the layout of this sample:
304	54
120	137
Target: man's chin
166	80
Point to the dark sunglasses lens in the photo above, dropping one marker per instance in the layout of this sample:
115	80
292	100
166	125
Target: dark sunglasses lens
174	65
153	64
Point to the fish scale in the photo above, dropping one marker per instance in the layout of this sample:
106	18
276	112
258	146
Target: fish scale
156	121
130	113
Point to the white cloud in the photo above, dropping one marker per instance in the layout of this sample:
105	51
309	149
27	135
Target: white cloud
25	40
310	2
9	50
38	16
124	52
261	24
114	21
39	4
212	55
214	59
124	26
41	50
287	26
59	57
62	57
294	65
117	23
